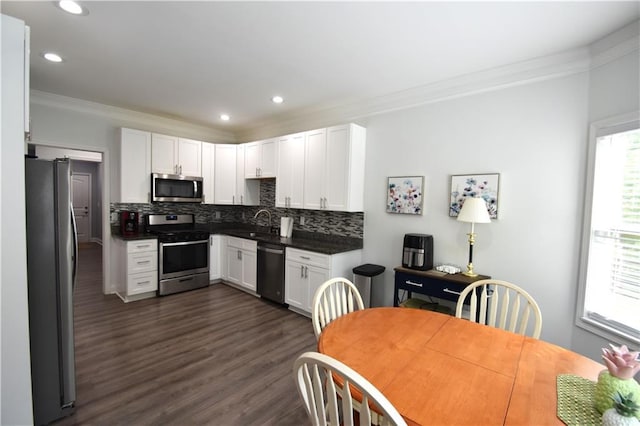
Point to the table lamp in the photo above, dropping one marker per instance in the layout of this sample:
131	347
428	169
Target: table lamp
474	210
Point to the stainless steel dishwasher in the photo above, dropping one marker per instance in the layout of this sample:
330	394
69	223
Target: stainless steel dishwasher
271	271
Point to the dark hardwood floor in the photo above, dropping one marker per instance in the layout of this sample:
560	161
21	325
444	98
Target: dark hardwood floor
214	356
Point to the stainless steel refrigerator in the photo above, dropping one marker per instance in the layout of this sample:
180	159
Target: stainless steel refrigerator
51	269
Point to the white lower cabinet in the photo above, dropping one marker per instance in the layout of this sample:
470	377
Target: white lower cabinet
135	268
305	271
242	263
215	270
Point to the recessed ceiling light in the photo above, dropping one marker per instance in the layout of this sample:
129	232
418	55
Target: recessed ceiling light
72	7
52	57
277	100
224	117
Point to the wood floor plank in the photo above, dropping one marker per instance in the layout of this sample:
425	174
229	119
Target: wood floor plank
212	356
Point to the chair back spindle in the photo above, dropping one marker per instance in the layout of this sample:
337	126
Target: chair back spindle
501	304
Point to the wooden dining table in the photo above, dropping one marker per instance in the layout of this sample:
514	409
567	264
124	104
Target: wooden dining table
437	369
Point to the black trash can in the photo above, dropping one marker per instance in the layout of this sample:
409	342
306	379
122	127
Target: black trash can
362	277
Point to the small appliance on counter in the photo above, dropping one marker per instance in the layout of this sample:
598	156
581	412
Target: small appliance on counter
128	223
418	252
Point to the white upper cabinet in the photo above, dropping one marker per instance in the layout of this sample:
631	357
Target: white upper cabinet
208	172
224	180
189	157
247	191
163	154
334	168
135	167
315	166
290	171
176	156
260	159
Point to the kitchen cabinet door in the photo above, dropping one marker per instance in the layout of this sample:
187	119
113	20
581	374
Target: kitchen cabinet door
247	190
234	265
334	168
260	161
252	159
250	269
208	167
189	157
344	176
164	151
135	167
224	191
296	287
290	174
269	158
315	277
215	256
315	165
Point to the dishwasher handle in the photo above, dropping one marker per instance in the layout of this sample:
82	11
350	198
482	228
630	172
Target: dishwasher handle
270	250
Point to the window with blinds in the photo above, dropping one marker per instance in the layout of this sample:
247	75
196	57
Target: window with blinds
612	284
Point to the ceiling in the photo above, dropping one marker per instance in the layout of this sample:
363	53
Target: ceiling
195	60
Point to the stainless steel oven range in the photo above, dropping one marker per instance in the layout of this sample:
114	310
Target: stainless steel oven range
183	252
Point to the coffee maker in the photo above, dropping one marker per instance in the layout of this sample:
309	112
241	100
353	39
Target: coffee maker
418	252
128	223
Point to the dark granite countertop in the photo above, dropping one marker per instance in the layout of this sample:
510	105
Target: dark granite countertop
115	233
311	241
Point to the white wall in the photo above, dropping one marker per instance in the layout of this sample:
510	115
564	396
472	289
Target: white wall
534	136
614	89
15	385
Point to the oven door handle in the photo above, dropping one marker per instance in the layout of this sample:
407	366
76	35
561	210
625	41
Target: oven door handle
184	243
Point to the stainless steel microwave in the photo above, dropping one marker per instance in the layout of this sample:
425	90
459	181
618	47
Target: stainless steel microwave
176	188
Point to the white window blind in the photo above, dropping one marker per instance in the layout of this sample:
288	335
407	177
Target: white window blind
612	293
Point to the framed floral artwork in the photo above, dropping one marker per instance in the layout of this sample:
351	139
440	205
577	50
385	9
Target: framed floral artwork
404	194
483	186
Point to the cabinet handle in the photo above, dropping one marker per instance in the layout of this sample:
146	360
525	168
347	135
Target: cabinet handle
233	199
239	255
211	241
306	272
140	246
446	290
148	197
412	283
301	271
305	257
143	282
242	200
180	169
142	262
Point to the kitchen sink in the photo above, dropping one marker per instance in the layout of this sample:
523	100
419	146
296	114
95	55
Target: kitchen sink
254	235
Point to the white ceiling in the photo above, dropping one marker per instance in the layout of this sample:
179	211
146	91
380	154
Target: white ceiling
195	60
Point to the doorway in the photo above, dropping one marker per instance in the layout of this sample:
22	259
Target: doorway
81	202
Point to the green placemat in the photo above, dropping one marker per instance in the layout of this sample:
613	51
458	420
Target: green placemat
575	401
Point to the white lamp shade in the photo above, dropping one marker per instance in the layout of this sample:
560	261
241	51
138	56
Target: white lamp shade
474	210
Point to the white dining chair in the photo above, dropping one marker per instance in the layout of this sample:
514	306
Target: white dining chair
334	298
328	403
501	304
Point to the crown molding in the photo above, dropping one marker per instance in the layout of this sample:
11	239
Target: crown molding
616	45
521	73
129	118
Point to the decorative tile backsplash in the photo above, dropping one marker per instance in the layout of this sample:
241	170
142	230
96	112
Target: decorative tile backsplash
326	222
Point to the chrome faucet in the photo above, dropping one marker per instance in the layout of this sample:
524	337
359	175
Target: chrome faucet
267	212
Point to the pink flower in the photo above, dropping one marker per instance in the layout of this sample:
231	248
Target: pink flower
620	362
